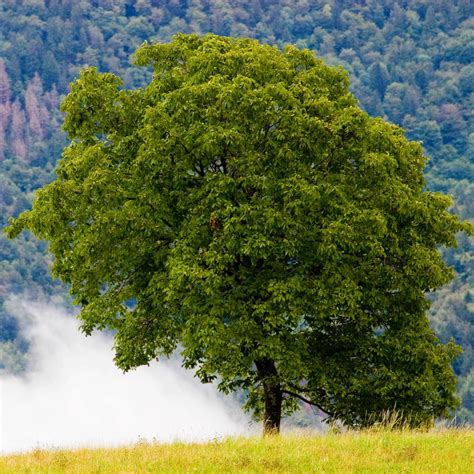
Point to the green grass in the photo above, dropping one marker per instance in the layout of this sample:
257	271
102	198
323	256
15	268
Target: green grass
445	451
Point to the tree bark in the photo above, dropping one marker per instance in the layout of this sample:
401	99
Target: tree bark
272	394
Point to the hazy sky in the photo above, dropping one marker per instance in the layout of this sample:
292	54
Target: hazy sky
74	395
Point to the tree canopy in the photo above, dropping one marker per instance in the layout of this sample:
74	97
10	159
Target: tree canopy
242	208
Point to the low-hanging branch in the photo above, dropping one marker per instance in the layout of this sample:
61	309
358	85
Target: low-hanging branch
309	402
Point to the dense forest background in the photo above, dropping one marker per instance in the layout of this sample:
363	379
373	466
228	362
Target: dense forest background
410	61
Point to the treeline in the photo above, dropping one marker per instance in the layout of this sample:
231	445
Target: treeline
410	61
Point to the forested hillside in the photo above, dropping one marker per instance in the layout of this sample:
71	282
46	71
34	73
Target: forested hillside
410	61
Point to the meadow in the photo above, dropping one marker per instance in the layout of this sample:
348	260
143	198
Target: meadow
440	451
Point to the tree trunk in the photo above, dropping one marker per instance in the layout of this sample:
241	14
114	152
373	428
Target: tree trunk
273	396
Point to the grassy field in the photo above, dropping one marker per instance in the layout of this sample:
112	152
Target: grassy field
448	451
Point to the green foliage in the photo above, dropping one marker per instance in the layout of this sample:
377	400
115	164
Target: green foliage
242	207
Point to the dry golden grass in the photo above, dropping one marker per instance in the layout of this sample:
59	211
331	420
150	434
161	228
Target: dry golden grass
444	451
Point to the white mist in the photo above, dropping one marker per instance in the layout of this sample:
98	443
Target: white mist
74	396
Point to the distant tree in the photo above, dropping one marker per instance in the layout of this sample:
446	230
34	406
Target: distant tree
51	99
33	107
429	132
421	78
452	126
19	148
394	101
5	91
243	208
51	70
379	78
411	101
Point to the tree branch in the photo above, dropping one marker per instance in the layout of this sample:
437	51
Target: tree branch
309	402
201	170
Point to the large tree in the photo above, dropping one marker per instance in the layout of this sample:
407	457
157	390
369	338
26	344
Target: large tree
244	209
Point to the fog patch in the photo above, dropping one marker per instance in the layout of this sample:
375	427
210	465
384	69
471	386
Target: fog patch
73	395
